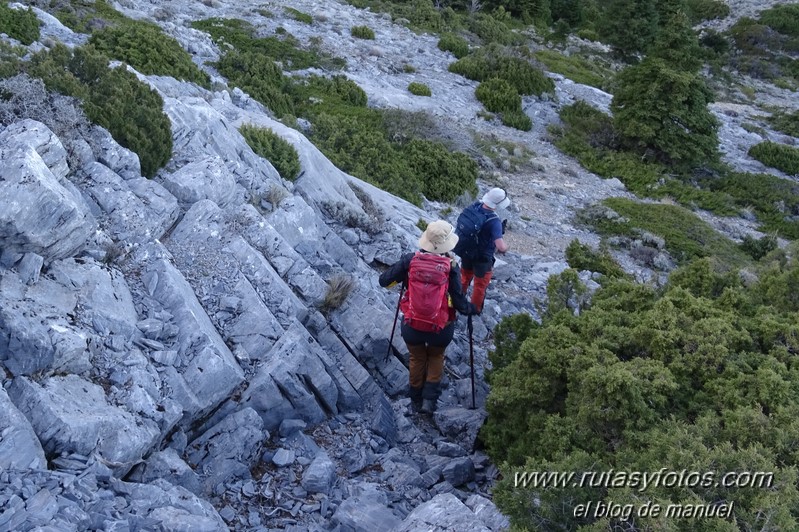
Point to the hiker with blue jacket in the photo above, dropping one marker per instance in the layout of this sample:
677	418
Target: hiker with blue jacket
480	231
428	307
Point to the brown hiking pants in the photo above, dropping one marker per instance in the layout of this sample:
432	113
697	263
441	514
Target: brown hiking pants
427	367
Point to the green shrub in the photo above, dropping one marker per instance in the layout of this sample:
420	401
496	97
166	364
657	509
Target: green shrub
582	257
697	376
491	30
687	237
576	68
10	57
421	15
757	248
764	53
497	62
589	135
497	95
356	142
363	32
784	18
83	17
444	175
271	147
517	120
787	123
147	49
449	42
286	49
133	113
686	378
779	156
260	77
774	200
19	24
298	15
419	89
701	10
113	98
317	95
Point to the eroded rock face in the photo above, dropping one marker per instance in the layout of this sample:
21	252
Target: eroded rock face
37	213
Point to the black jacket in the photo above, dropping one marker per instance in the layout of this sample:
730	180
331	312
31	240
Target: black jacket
398	273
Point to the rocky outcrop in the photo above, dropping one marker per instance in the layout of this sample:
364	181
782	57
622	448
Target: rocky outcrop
182	334
37	213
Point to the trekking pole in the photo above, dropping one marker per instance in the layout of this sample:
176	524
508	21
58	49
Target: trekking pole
471	354
396	315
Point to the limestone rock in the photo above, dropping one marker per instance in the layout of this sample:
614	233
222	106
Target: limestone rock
37	214
70	414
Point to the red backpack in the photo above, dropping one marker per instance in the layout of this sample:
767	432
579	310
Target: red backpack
425	304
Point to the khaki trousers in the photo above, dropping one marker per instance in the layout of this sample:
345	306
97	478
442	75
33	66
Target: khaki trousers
427	367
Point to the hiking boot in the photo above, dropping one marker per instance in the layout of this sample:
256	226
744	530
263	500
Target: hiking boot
416	406
428	406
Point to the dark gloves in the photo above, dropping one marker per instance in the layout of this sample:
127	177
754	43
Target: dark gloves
504	225
471	310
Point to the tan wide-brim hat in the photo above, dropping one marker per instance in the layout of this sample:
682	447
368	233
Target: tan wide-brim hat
439	237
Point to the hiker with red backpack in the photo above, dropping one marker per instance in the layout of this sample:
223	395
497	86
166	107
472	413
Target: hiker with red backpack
428	306
480	234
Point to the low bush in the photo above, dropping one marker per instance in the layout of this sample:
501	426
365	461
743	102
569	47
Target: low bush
774	200
701	10
490	30
498	96
783	18
83	17
19	24
697	376
780	156
787	123
449	42
419	89
517	120
147	49
765	52
687	237
444	175
260	77
10	57
133	113
298	15
757	248
581	257
421	15
274	149
357	141
498	62
576	68
113	98
363	32
285	48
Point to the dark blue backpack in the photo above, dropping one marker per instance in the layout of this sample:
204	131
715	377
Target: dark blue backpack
468	227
